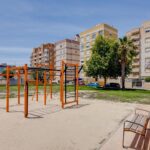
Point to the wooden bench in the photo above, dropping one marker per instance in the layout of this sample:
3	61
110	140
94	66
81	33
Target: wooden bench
138	124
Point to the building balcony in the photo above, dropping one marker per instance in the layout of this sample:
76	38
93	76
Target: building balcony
135	37
136	70
136	58
136	64
137	43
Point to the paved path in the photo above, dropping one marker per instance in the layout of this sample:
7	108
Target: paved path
86	127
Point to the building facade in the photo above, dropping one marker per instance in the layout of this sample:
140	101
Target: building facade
43	54
145	49
67	50
141	39
135	36
88	37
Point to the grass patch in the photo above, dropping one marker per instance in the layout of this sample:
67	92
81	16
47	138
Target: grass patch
132	96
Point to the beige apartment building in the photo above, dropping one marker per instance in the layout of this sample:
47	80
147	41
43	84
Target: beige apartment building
88	37
145	49
135	36
67	50
141	63
43	54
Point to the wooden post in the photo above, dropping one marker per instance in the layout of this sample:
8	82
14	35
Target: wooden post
7	88
77	83
37	91
25	91
18	86
44	88
51	77
62	84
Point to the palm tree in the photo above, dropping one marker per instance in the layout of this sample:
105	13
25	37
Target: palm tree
127	51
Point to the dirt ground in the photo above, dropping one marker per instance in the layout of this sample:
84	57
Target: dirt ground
88	126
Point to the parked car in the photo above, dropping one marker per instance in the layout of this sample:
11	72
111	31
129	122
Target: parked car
112	86
94	84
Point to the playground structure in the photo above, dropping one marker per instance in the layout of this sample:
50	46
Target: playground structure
67	73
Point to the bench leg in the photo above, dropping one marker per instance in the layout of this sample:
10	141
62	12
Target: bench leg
123	136
144	139
123	139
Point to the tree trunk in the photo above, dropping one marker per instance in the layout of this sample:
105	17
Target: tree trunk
123	75
105	81
96	79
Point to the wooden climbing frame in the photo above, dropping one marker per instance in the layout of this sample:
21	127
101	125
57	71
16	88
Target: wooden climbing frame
49	72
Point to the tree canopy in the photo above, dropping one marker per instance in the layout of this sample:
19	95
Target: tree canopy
127	51
107	58
104	59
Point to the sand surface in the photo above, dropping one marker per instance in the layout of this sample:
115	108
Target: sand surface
84	127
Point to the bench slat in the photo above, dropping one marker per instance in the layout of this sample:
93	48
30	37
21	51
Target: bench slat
139	119
128	125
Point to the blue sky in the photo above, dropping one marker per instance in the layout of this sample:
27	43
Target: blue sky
25	24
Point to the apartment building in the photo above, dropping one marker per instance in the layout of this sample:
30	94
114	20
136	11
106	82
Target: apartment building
43	54
135	36
141	63
67	50
145	49
88	37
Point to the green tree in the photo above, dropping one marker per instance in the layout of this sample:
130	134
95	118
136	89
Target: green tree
10	72
104	59
127	53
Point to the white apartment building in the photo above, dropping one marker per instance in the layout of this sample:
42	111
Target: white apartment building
68	51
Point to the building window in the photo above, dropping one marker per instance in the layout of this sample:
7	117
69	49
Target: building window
93	36
87	37
82	40
81	47
147	30
147	63
87	45
88	52
45	50
81	54
147	49
147	40
101	32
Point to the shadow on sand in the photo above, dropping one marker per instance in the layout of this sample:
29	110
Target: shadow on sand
141	143
39	113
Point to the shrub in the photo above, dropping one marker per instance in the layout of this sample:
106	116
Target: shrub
147	79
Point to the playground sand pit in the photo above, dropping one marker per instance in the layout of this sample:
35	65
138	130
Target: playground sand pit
83	127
